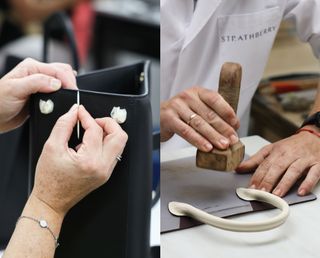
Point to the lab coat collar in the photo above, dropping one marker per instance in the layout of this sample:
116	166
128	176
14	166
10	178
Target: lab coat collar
205	9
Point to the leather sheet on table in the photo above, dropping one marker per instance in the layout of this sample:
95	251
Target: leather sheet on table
211	191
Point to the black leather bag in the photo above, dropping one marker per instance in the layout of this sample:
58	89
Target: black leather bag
113	221
14	145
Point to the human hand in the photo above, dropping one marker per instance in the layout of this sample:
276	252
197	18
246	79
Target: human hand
64	175
28	77
213	126
279	165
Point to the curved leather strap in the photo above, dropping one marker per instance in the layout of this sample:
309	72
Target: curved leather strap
62	22
184	209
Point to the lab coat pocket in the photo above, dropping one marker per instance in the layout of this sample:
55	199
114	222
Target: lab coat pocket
247	39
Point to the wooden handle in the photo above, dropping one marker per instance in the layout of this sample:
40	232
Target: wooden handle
230	82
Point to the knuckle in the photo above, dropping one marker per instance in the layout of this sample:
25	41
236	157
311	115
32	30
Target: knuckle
186	132
89	166
123	136
194	89
41	77
49	146
212	116
166	117
69	67
280	149
99	130
175	104
229	114
278	167
185	95
28	60
62	120
295	170
265	165
228	131
214	98
197	122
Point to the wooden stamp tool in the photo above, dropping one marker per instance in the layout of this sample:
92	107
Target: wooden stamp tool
229	89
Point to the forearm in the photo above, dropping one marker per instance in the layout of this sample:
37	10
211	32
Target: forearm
29	239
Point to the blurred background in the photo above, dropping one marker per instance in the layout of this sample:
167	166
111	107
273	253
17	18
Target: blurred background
288	89
108	33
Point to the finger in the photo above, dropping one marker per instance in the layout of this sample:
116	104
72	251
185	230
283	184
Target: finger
214	120
190	135
67	75
310	181
262	170
62	72
293	173
254	161
93	134
108	125
216	102
24	87
201	126
61	132
115	140
277	169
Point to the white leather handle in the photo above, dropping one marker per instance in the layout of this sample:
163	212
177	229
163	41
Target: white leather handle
184	209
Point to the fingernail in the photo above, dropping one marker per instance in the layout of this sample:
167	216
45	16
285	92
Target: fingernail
277	192
55	84
208	146
234	139
75	72
263	189
252	186
302	192
224	142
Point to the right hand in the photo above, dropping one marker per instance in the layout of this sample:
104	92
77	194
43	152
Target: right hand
64	175
213	126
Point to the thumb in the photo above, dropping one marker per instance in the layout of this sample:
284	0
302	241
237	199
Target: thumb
24	87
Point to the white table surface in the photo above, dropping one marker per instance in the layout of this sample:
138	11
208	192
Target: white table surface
299	237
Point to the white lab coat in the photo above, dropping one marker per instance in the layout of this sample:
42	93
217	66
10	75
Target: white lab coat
196	42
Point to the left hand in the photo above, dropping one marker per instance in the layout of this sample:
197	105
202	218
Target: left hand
28	77
279	165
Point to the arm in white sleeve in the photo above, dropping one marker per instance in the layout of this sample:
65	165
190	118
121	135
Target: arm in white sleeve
306	14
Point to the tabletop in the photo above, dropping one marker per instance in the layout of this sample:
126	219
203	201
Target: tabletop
297	237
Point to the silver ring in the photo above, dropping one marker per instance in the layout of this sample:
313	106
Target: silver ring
119	157
191	117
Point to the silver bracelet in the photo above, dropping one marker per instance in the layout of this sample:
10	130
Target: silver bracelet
43	224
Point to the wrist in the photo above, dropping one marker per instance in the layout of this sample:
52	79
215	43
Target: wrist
38	209
311	127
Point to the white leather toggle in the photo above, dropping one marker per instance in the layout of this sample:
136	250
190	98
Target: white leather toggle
119	114
46	107
184	209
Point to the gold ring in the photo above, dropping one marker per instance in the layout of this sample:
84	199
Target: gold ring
191	117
